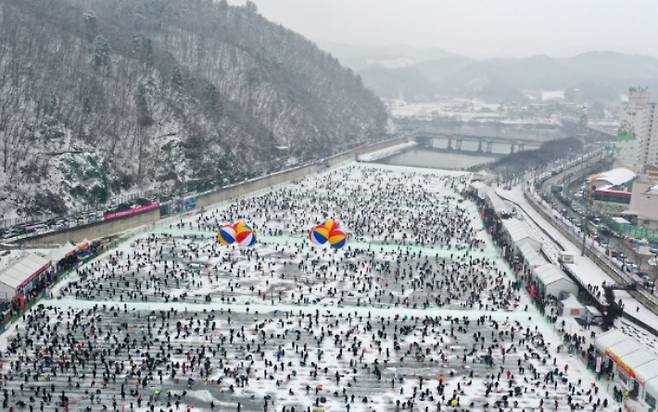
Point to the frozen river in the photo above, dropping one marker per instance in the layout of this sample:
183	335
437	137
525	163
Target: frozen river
438	160
419	312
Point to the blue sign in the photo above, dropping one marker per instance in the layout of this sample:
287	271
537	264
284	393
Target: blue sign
189	203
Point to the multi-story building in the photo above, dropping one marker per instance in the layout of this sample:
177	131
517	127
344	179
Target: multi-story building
650	146
643	207
637	138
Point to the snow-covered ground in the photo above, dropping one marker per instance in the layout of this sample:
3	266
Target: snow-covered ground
418	311
470	110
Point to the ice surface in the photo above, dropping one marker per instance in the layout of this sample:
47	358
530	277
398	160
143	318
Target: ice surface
420	294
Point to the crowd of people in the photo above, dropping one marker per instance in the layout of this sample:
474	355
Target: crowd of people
119	358
171	325
421	249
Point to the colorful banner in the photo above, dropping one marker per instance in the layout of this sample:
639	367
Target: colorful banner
32	276
623	366
130	212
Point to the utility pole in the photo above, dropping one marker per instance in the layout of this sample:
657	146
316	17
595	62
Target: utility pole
584	228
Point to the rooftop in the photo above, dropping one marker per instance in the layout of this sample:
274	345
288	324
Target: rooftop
20	270
518	230
549	273
615	177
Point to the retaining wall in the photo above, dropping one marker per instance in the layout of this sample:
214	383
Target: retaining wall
91	231
100	230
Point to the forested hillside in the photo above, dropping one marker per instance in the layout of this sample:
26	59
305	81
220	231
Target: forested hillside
100	97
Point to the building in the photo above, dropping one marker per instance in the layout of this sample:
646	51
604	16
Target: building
517	231
25	272
643	208
648	136
651	172
530	253
609	191
63	256
614	178
637	137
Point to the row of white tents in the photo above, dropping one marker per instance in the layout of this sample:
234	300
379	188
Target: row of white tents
634	366
549	277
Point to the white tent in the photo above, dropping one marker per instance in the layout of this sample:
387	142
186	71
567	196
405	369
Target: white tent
651	392
572	307
531	256
610	338
518	230
614	177
554	281
638	358
648	372
497	204
622	349
61	252
480	188
20	273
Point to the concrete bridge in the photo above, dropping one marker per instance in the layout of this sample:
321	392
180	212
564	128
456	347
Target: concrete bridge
473	143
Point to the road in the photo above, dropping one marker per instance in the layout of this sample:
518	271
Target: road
639	304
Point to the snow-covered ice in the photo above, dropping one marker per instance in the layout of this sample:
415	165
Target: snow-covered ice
418	311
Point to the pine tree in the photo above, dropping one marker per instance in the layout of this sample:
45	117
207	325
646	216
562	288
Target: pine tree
177	78
102	57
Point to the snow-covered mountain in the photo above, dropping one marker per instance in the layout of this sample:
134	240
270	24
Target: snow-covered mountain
100	97
593	77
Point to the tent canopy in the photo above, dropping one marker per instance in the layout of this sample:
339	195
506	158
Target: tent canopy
549	273
624	348
648	370
20	271
632	355
519	230
610	338
61	252
530	253
498	204
638	358
652	386
572	303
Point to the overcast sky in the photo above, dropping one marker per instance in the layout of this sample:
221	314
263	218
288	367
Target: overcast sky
476	28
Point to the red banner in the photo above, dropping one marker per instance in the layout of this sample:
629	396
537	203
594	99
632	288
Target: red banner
130	212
